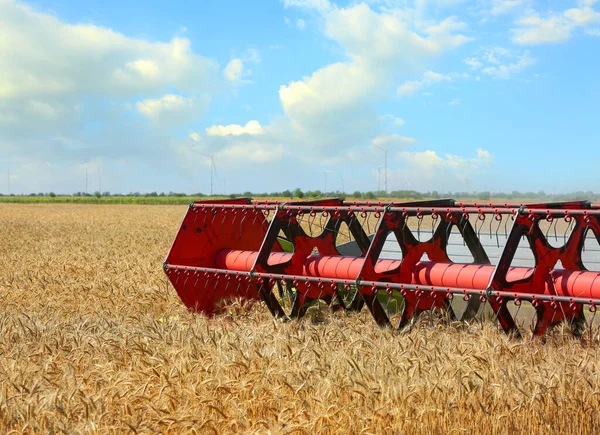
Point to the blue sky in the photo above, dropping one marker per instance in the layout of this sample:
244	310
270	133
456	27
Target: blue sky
495	95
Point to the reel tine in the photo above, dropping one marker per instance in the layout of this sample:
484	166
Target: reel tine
592	309
498	229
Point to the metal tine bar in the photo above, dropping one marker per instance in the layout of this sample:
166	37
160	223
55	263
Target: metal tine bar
553	209
570	223
503	294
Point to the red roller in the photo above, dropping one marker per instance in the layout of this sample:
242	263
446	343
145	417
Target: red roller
467	276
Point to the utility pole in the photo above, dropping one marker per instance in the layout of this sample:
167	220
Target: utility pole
99	179
326	172
212	167
379	178
85	162
385	151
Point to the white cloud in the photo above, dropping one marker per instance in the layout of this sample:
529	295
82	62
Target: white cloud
386	141
583	16
256	152
430	160
506	71
236	69
427	170
473	62
67	59
392	120
534	29
387	37
234	144
43	110
454	102
429	77
251	128
317	5
300	24
500	63
78	82
333	109
501	7
410	87
170	108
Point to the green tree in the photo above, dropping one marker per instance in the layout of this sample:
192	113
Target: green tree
484	196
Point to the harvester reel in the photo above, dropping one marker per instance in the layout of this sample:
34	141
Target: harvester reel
300	254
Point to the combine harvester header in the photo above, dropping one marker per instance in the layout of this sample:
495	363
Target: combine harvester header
394	258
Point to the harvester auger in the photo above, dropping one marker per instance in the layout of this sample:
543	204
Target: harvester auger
395	259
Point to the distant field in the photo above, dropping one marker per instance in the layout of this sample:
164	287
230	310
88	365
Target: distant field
166	200
178	200
93	340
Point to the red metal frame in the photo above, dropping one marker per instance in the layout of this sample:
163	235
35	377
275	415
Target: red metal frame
230	248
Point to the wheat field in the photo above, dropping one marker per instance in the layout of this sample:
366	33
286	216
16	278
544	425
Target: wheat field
93	340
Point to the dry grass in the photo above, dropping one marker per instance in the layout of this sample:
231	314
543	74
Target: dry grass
93	341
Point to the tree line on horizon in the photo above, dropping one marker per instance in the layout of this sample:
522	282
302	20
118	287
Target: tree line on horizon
314	194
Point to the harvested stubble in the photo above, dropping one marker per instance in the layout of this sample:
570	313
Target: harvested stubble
93	341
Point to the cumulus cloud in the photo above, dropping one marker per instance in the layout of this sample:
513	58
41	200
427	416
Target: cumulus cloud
501	63
393	120
236	69
334	107
234	144
501	7
317	5
389	140
427	170
68	59
429	77
63	84
172	109
533	29
251	128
